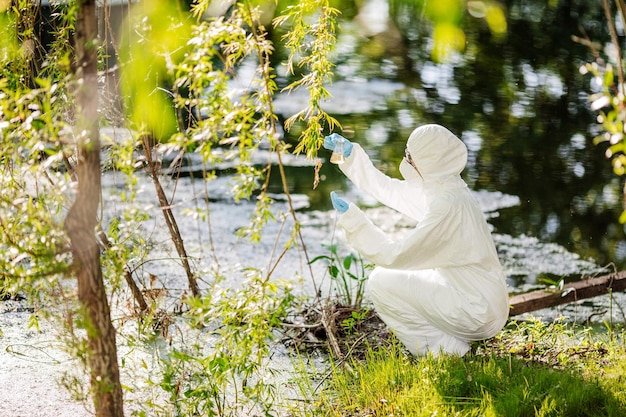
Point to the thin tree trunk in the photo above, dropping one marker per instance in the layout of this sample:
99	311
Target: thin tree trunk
81	222
170	220
106	244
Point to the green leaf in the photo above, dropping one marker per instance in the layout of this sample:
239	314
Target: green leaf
317	258
347	261
333	271
608	76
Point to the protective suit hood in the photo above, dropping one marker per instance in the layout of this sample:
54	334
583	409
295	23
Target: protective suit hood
437	152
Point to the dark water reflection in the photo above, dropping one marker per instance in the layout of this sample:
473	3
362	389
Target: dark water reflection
519	104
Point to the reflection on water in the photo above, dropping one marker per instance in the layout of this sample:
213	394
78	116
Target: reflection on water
518	103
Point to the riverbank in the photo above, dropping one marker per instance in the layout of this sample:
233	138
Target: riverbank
32	361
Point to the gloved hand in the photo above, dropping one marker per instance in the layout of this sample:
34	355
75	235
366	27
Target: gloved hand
330	141
338	203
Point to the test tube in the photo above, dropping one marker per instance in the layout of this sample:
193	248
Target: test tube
337	157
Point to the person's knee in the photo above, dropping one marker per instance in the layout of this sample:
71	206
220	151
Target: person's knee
376	284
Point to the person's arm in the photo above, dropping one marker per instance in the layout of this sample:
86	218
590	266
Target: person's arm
434	243
401	195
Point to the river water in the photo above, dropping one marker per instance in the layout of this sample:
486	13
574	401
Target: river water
519	103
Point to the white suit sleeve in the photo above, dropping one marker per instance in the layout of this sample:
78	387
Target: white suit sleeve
392	192
427	246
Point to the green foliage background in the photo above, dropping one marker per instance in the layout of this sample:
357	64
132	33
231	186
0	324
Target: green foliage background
175	68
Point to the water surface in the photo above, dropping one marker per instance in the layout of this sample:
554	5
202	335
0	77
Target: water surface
518	102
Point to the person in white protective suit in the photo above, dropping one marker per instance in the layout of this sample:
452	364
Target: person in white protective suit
442	285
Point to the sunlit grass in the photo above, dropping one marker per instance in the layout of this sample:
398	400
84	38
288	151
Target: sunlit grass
576	374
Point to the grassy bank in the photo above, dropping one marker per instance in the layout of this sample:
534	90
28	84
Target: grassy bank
529	369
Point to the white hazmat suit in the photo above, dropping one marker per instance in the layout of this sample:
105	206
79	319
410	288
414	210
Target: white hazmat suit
442	285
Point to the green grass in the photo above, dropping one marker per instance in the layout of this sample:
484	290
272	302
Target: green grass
530	369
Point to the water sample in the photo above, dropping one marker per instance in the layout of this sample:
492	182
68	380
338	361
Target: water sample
337	157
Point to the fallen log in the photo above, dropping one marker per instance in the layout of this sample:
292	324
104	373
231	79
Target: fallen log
579	290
